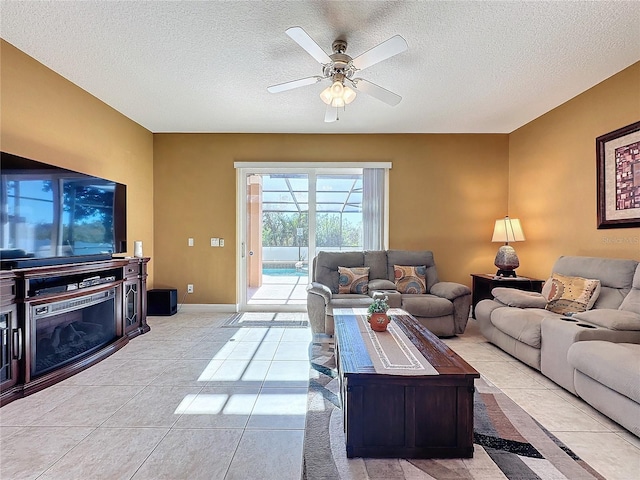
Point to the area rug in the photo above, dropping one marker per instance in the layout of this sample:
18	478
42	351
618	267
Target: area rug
508	443
267	319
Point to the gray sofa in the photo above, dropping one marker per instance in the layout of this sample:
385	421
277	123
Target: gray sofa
443	309
519	324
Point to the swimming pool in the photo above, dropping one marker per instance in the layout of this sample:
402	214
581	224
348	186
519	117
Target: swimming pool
279	272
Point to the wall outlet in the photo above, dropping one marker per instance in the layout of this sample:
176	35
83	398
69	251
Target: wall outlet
190	242
222	242
215	242
190	288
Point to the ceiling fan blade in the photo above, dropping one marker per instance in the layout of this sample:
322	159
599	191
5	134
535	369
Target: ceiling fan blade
376	91
386	49
331	114
281	87
303	39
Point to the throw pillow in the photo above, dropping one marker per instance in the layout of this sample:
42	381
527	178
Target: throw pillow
410	279
569	295
353	280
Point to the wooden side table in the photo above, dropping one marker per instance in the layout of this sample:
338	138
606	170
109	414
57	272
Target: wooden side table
483	283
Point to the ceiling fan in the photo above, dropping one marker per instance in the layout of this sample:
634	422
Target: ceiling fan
340	68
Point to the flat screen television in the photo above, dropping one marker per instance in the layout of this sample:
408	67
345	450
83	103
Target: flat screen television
51	215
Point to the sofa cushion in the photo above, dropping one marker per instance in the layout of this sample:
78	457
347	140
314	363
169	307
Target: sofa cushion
519	298
380	284
428	306
631	302
570	295
614	365
353	280
410	279
612	319
523	325
404	257
327	264
376	260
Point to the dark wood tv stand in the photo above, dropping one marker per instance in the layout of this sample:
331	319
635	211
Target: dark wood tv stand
47	332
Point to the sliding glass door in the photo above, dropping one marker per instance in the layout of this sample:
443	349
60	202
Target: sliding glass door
286	216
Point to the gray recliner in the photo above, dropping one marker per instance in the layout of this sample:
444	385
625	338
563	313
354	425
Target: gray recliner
443	309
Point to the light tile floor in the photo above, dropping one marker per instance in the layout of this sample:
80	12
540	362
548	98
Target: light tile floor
191	400
188	400
280	290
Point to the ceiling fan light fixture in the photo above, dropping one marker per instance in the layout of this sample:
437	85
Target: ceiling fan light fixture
337	88
348	95
326	96
337	95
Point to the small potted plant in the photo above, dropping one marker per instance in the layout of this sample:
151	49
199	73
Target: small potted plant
377	314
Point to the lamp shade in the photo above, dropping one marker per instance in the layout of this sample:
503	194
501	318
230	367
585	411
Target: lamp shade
507	230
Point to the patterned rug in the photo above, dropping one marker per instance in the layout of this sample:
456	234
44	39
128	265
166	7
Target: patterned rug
508	443
267	319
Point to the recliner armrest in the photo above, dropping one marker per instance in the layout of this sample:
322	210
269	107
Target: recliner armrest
320	289
450	290
513	297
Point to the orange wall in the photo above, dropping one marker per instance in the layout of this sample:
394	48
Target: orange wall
445	190
445	193
552	176
47	118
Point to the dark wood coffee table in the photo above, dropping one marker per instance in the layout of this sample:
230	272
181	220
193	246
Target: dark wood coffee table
419	416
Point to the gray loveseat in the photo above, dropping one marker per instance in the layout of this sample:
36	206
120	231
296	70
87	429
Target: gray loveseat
519	324
443	309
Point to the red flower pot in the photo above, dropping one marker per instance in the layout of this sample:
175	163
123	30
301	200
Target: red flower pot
378	321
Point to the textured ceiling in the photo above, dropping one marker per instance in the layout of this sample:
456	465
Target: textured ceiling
196	66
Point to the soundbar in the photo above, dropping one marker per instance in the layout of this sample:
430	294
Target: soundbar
11	264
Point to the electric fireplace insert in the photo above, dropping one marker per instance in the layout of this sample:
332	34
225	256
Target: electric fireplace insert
66	330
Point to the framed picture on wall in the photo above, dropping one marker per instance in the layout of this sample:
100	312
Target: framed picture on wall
618	172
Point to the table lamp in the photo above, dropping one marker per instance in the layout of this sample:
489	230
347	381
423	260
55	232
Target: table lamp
507	230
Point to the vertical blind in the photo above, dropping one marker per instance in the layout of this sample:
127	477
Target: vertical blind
373	195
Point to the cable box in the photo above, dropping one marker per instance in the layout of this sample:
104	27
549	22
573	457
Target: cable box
90	282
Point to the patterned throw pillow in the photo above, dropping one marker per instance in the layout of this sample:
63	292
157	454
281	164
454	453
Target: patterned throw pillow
410	279
353	280
569	295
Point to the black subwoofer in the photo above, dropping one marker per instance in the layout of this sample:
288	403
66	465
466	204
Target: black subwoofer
162	301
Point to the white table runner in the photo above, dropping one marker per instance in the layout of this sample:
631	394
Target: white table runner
391	352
